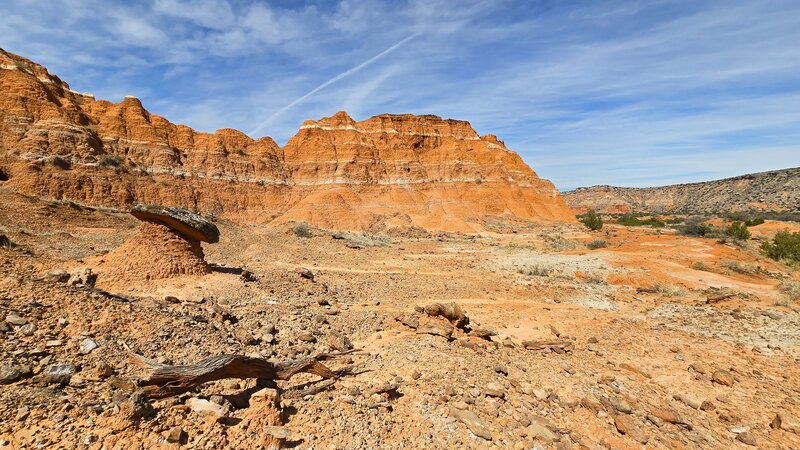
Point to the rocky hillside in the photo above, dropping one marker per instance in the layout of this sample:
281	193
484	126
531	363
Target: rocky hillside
387	171
776	191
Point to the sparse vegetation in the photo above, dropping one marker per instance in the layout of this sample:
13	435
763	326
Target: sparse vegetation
700	265
61	163
302	230
739	267
592	220
738	230
696	226
790	289
785	246
362	240
632	221
595	279
537	271
558	243
597	243
669	290
111	161
754	222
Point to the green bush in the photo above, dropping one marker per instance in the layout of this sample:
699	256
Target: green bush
738	230
592	220
784	246
597	243
754	222
696	226
301	230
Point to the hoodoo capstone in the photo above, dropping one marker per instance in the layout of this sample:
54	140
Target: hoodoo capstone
191	225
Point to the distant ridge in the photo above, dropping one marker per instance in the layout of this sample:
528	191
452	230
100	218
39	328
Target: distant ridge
774	191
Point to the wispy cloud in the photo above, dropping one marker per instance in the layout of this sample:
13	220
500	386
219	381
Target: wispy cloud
587	92
338	77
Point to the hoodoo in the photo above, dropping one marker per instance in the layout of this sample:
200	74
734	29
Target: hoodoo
167	244
384	172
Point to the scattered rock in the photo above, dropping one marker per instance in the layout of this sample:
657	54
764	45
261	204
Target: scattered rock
558	346
746	438
688	400
58	373
339	342
56	276
483	332
305	273
671	416
621	405
87	345
473	422
538	429
494	390
175	434
786	422
436	327
307	336
722	377
204	407
15	319
627	425
409	320
248	277
83	278
450	311
9	373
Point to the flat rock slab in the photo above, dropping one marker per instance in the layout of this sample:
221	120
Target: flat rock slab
189	224
473	422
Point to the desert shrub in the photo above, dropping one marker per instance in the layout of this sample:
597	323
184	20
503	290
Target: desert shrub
753	222
595	279
669	290
790	289
738	267
700	265
597	243
301	230
592	220
696	226
675	220
537	271
738	230
784	247
110	161
558	243
362	240
632	221
61	163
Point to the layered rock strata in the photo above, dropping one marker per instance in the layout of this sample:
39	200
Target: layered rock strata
383	172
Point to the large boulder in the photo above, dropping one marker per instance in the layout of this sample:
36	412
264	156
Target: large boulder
191	225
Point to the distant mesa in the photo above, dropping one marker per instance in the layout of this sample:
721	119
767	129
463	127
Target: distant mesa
388	171
775	191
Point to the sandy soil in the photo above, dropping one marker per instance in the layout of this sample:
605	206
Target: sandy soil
650	361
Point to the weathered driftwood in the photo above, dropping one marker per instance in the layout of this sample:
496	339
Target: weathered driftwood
162	380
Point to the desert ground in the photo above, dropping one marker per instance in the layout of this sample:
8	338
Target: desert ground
654	341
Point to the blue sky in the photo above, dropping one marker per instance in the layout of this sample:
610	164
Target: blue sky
587	92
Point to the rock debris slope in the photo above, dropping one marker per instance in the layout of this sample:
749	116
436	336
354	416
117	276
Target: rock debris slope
387	171
776	191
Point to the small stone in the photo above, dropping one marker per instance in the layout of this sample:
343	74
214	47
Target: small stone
499	368
56	276
494	390
175	434
473	422
305	273
627	425
15	319
436	327
22	413
786	422
722	377
28	329
203	407
171	299
58	373
483	332
87	345
538	430
339	342
54	343
9	373
688	400
746	438
707	406
415	375
621	405
307	337
671	416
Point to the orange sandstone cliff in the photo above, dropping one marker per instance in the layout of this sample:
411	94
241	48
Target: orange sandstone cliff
389	170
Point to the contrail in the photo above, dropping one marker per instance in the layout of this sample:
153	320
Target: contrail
331	81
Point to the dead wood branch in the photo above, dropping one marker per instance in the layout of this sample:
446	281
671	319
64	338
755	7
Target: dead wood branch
556	345
163	380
